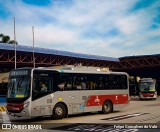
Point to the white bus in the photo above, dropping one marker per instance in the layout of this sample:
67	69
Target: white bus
65	91
147	88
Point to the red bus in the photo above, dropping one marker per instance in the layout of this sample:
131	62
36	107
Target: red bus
147	88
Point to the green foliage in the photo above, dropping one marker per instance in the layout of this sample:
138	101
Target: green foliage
6	39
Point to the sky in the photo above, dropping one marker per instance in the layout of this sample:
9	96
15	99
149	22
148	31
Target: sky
114	28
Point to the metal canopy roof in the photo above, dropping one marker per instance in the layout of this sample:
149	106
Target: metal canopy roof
139	56
23	48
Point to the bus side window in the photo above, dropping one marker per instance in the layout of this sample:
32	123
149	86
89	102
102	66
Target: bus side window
101	82
65	82
77	82
92	85
94	82
123	82
34	87
112	82
106	86
61	85
80	81
68	85
83	83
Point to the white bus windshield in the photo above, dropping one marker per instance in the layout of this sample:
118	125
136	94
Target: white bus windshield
18	87
147	86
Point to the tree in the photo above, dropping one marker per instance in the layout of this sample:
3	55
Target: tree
13	42
6	39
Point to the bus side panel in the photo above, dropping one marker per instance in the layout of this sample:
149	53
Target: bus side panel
42	106
94	100
79	101
45	105
71	99
85	97
124	99
124	96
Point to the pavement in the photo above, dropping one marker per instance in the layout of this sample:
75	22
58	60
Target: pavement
139	114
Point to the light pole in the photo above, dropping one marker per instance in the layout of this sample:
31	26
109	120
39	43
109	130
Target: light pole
33	47
15	44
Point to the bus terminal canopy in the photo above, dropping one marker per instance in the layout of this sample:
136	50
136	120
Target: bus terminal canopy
47	57
4	46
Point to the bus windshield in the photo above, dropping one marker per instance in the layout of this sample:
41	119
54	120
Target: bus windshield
18	87
147	86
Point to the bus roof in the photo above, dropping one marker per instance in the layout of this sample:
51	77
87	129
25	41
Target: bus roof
90	70
147	80
83	69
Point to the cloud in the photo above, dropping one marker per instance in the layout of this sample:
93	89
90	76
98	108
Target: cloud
110	28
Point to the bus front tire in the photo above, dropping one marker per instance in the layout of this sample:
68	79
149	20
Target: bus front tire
107	107
59	111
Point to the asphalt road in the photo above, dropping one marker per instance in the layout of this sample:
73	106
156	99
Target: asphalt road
138	116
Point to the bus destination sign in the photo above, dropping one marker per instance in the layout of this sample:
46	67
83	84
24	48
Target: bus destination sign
19	73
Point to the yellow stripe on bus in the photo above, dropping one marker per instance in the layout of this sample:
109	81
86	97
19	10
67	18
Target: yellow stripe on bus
2	108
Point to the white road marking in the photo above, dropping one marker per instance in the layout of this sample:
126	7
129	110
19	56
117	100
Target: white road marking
131	115
5	118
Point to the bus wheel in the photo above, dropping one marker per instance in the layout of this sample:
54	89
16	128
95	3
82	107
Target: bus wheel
59	111
107	107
